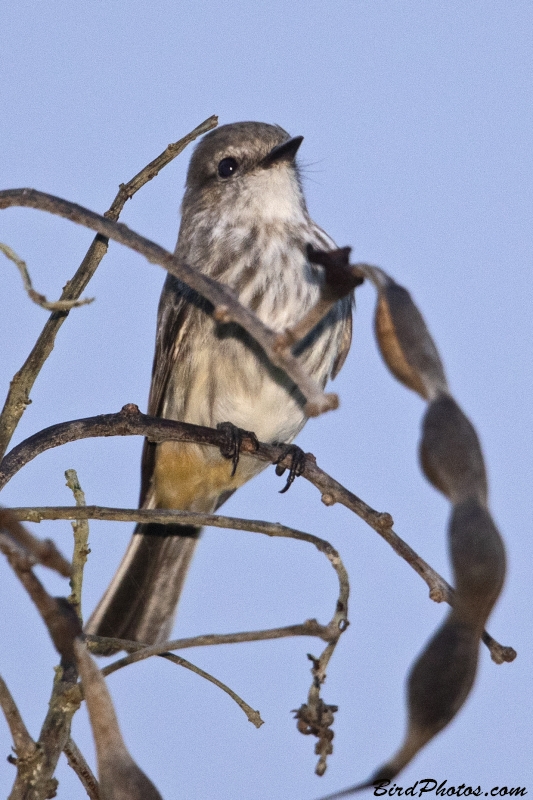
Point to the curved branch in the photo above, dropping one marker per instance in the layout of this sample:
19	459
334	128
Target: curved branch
37	297
253	716
162	516
225	303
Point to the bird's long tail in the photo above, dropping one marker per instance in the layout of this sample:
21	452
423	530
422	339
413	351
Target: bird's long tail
141	600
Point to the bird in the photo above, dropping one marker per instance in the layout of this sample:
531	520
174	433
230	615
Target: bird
245	223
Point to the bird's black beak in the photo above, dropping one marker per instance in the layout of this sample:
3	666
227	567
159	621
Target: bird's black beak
285	151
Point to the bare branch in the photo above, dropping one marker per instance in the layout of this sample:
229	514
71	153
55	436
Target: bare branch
81	539
37	297
77	761
23	744
313	710
22	383
253	716
218	294
127	190
164	516
35	780
308	628
43	551
55	731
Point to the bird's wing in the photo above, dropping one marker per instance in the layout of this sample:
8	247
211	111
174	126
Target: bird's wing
172	323
344	345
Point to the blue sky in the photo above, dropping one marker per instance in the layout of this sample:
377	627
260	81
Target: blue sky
417	120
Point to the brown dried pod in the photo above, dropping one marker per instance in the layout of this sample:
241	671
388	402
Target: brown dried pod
119	776
478	558
438	685
405	342
450	452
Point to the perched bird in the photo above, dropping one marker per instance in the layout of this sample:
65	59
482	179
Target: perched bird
244	223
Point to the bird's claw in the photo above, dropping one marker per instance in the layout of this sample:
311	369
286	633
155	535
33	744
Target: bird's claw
230	449
296	468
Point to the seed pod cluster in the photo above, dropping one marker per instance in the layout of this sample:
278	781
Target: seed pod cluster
450	454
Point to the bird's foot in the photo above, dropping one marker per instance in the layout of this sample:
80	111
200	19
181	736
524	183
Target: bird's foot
297	466
230	449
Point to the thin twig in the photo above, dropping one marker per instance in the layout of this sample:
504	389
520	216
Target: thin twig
141	651
18	396
308	628
23	744
77	761
331	633
43	551
253	716
193	518
81	540
127	190
223	299
37	297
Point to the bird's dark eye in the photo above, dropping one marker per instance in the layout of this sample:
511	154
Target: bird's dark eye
227	167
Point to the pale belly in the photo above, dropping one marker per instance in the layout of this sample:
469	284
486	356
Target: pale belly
225	382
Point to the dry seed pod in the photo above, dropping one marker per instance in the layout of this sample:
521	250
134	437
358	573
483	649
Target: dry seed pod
450	452
438	685
405	343
441	678
119	776
478	558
